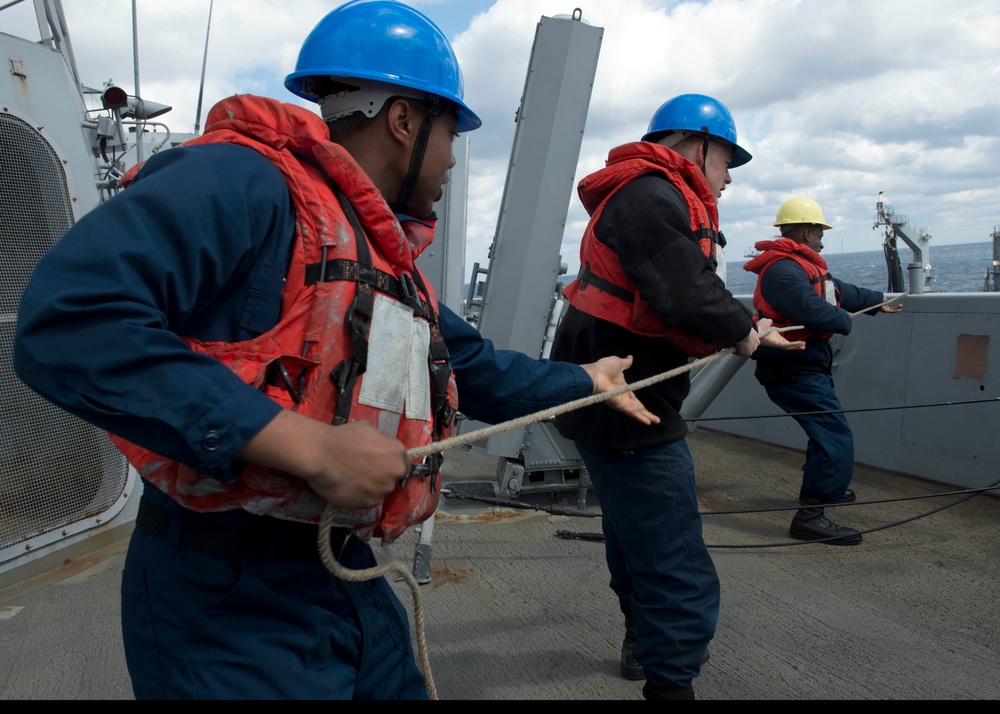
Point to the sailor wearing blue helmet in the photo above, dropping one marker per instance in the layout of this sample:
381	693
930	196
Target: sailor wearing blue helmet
381	49
649	287
278	353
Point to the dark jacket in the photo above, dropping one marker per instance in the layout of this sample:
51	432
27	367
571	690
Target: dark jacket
786	287
647	224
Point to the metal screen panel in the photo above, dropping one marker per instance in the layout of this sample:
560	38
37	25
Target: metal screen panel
55	470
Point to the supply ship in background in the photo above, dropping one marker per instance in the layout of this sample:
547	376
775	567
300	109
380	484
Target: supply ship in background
514	589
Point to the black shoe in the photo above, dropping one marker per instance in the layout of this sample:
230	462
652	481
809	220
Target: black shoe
630	668
653	693
810	523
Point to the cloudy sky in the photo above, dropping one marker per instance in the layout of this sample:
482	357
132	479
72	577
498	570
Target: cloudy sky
836	99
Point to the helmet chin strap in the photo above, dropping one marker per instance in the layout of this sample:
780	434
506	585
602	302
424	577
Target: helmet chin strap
413	174
417	158
704	150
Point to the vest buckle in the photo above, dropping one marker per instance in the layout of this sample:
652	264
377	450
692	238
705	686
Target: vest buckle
410	295
428	468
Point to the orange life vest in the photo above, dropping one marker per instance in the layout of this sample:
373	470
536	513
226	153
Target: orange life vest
351	275
816	269
602	288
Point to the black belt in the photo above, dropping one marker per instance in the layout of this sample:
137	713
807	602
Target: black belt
264	538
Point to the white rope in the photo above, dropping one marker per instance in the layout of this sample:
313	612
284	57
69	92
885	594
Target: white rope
330	561
357	576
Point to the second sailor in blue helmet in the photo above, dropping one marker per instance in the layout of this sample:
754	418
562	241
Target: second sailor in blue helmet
648	286
367	52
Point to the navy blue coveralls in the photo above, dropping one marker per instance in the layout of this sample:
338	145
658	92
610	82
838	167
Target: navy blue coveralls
225	605
801	381
644	476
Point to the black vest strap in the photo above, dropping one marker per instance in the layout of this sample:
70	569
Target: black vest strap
588	278
359	319
440	367
345	375
403	289
709	233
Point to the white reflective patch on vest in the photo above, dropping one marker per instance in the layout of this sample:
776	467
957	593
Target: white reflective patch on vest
418	382
720	269
831	292
396	376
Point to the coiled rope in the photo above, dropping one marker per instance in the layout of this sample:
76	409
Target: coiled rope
339	571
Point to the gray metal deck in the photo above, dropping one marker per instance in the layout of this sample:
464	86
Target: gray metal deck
513	612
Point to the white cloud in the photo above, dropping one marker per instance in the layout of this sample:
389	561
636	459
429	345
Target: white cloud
836	100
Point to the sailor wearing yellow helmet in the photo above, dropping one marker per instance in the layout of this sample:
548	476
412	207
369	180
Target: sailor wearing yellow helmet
795	288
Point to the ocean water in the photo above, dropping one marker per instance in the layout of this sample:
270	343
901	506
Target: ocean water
955	268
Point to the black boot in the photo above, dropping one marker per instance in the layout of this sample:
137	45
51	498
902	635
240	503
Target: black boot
810	523
651	692
630	668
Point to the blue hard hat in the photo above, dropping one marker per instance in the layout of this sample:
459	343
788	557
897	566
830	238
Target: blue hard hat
698	113
382	41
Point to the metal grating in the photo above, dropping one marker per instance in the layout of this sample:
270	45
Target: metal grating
55	469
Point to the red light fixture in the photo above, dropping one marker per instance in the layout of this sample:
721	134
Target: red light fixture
114	98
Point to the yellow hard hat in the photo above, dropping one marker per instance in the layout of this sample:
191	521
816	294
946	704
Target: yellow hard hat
801	210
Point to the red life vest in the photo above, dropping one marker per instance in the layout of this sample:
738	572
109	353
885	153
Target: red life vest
602	288
351	275
816	269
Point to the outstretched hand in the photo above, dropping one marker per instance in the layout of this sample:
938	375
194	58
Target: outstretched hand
776	339
608	374
885	306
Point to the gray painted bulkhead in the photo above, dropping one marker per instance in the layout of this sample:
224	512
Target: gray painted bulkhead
894	366
37	87
65	490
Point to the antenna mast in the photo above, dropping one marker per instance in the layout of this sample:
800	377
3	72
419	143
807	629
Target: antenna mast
140	126
204	61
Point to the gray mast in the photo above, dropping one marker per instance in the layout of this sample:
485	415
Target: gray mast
521	283
204	62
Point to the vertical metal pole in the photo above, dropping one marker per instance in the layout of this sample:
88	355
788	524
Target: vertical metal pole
140	126
995	267
422	553
204	61
443	261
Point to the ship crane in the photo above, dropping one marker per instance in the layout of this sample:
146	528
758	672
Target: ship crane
918	239
991	284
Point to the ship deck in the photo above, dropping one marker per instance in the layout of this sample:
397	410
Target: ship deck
513	611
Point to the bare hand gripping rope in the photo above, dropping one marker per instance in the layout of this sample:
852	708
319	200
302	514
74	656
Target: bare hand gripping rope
330	561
